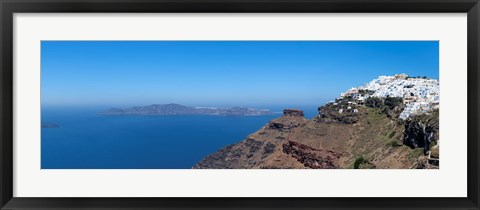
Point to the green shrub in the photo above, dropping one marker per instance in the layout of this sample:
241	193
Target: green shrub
374	102
358	162
417	152
392	134
394	143
392	102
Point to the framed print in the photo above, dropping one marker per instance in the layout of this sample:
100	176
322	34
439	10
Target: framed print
239	104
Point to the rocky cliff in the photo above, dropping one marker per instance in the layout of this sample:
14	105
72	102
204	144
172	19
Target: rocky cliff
422	130
360	137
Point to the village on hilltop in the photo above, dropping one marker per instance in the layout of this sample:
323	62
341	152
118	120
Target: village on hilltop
420	94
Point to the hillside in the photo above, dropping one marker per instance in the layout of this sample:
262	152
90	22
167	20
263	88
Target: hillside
345	134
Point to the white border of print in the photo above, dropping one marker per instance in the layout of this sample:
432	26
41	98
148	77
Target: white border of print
449	181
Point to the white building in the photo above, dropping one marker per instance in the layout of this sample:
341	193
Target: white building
420	95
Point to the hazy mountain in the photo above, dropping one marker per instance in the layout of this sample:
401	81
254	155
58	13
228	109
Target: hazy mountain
177	109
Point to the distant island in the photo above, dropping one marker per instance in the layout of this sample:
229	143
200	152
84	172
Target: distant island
177	109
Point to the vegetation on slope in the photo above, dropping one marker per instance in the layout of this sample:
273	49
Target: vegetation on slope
343	135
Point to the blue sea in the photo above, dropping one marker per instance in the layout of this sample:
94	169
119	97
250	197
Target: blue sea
87	140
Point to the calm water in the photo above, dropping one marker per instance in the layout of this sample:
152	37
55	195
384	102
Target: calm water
86	140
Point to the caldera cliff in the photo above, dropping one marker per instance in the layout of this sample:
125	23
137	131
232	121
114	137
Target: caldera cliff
350	132
373	141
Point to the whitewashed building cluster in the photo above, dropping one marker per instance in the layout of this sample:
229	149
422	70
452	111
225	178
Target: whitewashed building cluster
420	95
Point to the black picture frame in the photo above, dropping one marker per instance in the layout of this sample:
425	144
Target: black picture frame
9	7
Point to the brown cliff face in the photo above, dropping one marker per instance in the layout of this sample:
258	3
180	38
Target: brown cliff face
311	157
262	149
328	141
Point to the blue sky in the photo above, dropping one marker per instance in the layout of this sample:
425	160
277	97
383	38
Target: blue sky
222	73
